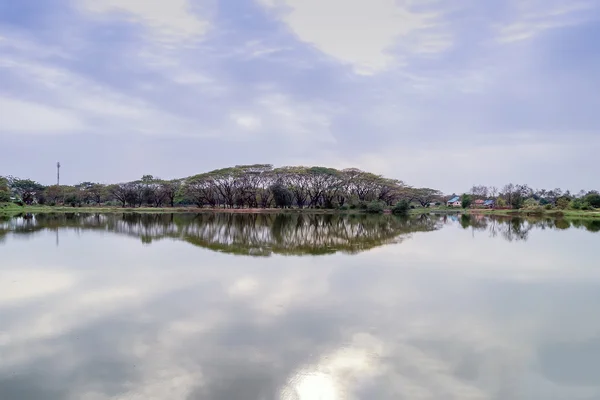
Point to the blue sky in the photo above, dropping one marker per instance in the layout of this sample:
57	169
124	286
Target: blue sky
436	93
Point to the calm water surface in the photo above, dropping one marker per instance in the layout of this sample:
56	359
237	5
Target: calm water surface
262	307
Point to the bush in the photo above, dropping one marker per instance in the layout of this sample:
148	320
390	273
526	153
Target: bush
353	206
401	208
363	205
375	207
19	203
548	207
562	203
531	204
344	207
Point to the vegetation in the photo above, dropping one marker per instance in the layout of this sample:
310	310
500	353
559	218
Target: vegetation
401	208
240	187
262	187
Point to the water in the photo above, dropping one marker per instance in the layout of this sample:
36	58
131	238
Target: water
268	307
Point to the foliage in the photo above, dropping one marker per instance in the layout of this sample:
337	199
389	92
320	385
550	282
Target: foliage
4	190
466	200
425	196
282	196
27	190
531	204
562	203
593	199
375	207
401	208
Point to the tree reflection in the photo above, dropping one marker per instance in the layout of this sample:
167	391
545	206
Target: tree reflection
518	228
245	234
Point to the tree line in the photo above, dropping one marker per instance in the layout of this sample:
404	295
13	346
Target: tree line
521	196
242	186
263	186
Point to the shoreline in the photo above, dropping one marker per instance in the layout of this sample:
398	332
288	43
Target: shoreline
11	209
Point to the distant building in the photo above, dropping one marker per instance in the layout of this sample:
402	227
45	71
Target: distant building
454	202
489	203
479	203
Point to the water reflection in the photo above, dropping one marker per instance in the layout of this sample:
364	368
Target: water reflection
288	234
242	234
455	313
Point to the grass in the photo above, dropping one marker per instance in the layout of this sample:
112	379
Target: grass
14	209
546	213
7	209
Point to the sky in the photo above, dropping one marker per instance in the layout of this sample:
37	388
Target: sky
434	93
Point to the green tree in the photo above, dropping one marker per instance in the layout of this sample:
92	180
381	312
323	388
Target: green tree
401	208
282	196
27	190
593	199
563	202
4	190
466	200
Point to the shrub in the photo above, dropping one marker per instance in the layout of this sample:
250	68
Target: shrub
344	207
562	203
548	207
19	203
375	207
353	206
363	205
531	204
401	208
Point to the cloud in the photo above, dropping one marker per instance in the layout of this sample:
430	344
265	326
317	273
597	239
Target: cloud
533	17
24	117
168	21
359	33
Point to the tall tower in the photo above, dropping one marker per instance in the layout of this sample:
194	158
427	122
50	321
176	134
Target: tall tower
58	174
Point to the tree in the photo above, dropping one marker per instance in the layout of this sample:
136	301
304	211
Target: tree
466	200
54	194
593	199
424	196
169	190
4	190
563	202
27	190
282	196
479	191
119	193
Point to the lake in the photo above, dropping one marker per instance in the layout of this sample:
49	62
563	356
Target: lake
298	307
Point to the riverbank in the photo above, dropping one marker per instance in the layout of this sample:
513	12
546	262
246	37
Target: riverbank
13	209
8	209
538	213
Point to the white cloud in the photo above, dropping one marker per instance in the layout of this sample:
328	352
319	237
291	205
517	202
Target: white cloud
360	33
64	101
246	121
168	19
17	116
533	17
297	120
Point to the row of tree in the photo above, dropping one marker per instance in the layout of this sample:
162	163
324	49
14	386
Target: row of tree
243	186
522	196
263	186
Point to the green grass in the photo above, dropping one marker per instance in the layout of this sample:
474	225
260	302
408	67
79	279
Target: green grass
546	213
14	209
